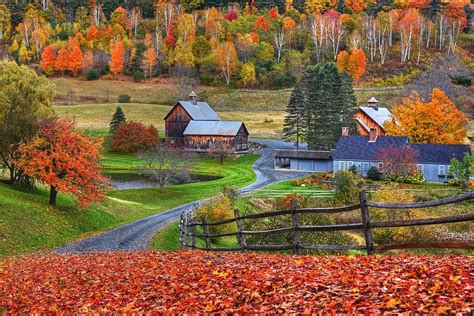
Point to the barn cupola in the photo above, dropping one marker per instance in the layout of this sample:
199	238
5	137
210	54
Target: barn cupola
193	97
373	103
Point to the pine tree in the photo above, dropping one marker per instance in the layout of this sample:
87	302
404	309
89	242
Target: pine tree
329	104
294	127
117	119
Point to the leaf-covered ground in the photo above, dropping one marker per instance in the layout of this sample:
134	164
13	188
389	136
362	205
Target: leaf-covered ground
194	281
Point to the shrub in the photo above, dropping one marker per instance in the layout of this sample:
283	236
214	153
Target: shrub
132	136
460	171
93	75
138	76
267	120
124	98
216	209
374	174
404	178
461	79
354	170
347	191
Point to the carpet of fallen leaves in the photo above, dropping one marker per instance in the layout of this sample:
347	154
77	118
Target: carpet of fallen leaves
195	281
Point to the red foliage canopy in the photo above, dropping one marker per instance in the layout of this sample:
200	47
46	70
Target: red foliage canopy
65	160
133	136
189	282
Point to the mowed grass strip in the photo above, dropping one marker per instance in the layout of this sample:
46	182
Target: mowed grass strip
73	91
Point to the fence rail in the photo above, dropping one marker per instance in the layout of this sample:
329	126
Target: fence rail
188	224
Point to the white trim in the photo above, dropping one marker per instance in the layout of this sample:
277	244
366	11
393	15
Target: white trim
342	165
442	170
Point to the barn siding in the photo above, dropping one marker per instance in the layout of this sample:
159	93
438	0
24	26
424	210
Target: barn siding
175	124
369	122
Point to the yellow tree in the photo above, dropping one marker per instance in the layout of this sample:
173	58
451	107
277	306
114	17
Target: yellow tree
437	121
226	59
313	6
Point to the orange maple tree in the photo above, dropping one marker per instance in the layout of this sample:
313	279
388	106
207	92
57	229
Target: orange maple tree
117	58
149	61
47	60
437	121
62	60
76	60
65	160
354	63
262	24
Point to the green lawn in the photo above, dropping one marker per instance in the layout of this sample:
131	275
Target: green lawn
28	223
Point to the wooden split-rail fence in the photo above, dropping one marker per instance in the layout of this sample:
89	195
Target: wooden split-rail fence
188	225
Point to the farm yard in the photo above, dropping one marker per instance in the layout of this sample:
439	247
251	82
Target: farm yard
252	157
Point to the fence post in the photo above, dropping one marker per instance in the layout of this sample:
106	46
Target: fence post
242	242
180	228
206	233
193	235
366	222
295	219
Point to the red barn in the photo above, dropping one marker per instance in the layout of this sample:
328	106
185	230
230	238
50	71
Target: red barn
194	125
372	117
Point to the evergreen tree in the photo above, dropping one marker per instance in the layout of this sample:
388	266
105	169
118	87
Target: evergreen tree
294	126
434	7
329	102
117	119
341	7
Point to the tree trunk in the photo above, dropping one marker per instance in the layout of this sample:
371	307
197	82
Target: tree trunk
52	195
222	159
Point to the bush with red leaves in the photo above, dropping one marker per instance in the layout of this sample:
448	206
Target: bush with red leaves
198	282
134	136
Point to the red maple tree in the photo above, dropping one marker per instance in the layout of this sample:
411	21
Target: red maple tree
62	61
66	160
133	136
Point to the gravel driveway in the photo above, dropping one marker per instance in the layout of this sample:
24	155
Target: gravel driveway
136	235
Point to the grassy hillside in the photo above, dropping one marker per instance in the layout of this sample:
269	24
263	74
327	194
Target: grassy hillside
73	91
98	116
28	223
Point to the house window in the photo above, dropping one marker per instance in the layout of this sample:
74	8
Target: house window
365	167
389	167
442	171
349	164
380	166
419	168
342	165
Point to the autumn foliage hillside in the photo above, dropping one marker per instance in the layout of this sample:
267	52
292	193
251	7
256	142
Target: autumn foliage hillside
194	281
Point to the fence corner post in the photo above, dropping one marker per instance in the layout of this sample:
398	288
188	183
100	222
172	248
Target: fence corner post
295	219
206	233
240	228
366	222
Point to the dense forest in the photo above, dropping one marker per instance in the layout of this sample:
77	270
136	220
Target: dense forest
242	44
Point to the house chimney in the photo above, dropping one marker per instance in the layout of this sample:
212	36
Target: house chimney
193	97
373	103
373	135
345	131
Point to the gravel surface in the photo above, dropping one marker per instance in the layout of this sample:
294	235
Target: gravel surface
135	236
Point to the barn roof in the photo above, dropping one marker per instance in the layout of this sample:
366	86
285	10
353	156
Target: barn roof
303	154
213	128
378	115
359	147
199	111
440	153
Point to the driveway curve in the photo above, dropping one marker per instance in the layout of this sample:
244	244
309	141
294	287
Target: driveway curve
136	235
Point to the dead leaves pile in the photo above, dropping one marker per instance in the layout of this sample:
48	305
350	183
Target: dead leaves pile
195	281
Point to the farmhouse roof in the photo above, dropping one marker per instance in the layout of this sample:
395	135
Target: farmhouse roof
440	153
303	154
200	111
378	115
214	128
359	147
